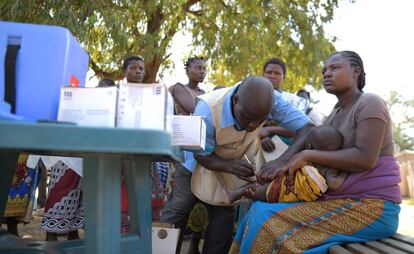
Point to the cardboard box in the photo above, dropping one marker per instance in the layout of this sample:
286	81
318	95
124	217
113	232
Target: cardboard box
188	132
140	106
143	106
164	240
88	106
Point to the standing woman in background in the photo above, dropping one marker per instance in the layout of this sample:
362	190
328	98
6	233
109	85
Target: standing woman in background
185	101
134	71
19	206
185	96
275	71
64	213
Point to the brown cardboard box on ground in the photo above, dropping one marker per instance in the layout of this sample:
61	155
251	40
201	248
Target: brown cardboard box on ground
164	240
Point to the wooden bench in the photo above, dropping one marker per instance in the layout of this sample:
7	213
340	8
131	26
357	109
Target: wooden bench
397	244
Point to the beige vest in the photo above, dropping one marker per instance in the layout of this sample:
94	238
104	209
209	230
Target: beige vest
231	144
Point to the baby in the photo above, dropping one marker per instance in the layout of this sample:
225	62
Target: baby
310	181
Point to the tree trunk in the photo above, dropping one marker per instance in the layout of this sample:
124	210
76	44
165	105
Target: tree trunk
151	69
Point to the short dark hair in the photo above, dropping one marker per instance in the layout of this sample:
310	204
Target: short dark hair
219	87
276	61
265	84
129	59
325	138
355	60
303	91
191	60
106	82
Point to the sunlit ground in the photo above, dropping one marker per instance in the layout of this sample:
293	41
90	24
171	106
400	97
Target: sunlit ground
406	226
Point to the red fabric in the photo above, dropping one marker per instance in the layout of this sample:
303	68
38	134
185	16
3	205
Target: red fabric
67	182
21	171
124	195
125	216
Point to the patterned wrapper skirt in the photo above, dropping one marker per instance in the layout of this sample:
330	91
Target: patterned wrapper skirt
311	227
64	206
22	191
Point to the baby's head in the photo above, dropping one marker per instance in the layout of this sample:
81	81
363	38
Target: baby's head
324	138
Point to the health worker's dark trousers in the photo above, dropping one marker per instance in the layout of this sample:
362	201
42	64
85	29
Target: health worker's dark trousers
219	234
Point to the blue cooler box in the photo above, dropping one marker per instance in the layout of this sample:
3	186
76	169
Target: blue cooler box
48	57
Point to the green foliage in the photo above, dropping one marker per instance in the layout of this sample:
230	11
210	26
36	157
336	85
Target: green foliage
109	30
239	36
236	36
403	109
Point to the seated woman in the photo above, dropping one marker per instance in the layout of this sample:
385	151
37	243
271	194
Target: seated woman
365	207
310	182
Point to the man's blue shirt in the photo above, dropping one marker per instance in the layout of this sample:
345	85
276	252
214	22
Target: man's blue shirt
283	113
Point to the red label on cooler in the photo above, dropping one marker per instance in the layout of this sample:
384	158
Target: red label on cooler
73	81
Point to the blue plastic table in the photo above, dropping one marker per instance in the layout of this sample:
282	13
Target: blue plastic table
102	150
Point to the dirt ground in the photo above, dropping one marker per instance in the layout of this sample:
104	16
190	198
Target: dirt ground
32	230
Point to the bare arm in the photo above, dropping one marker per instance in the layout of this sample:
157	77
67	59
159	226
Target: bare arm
241	168
183	98
361	157
266	141
268	172
275	130
334	178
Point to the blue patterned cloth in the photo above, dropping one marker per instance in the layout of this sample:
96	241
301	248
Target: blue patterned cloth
163	168
311	227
